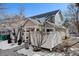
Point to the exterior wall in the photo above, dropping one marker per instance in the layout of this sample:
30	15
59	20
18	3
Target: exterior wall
31	27
29	23
48	26
58	19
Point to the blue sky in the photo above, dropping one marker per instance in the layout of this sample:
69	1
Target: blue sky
35	8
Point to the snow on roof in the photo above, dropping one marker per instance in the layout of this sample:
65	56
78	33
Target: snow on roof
35	21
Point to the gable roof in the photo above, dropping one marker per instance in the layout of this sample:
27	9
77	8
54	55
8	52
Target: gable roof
45	14
33	21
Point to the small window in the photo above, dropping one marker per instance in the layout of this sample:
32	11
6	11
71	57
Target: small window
32	29
37	29
48	30
27	30
26	37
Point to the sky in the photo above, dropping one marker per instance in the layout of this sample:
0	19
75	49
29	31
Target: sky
35	8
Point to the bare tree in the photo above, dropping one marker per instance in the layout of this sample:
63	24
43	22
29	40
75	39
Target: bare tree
72	20
21	10
20	35
77	18
72	16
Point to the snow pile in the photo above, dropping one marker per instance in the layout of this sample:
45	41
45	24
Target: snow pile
4	45
74	49
36	55
24	51
56	54
30	52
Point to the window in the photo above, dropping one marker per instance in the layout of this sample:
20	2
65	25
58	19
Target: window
32	29
37	29
48	30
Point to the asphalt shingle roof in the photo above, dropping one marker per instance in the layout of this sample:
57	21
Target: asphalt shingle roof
45	14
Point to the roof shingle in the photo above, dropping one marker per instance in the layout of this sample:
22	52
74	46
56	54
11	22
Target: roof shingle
45	14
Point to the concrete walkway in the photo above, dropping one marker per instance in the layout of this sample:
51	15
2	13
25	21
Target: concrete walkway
11	52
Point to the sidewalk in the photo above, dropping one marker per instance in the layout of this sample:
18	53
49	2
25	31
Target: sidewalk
11	52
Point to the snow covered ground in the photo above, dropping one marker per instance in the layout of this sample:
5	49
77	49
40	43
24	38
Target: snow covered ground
30	52
4	45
